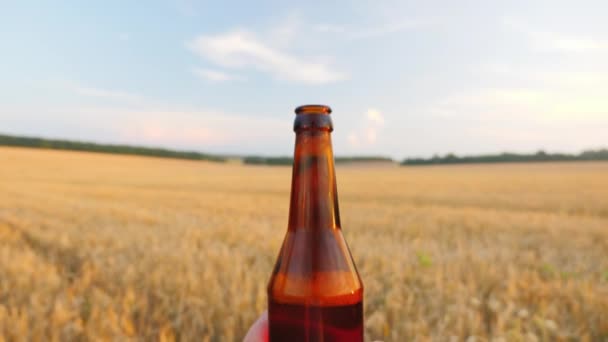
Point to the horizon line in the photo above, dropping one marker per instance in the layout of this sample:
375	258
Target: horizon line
226	156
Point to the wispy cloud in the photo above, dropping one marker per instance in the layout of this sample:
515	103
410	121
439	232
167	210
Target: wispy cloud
287	30
566	43
242	50
524	105
200	129
107	94
204	128
368	32
581	77
214	75
547	40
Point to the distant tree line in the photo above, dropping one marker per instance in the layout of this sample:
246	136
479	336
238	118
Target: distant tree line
256	160
450	158
540	156
8	140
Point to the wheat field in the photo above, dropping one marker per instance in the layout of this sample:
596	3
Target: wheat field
97	247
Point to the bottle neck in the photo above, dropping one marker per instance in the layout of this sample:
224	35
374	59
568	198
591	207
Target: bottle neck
314	195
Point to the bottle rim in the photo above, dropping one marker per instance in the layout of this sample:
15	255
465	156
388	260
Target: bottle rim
313	109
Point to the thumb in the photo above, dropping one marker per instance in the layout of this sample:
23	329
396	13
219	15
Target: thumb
259	330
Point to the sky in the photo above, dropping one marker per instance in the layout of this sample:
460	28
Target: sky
404	78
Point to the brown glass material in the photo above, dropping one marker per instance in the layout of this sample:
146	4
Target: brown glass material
315	293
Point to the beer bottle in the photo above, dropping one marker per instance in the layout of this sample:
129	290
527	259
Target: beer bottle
315	292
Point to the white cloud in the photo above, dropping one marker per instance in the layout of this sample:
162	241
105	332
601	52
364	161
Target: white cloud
369	126
214	75
107	94
242	50
375	116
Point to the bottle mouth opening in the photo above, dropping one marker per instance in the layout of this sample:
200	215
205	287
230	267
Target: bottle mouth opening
313	109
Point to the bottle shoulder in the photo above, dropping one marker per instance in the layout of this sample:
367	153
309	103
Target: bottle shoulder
323	288
315	266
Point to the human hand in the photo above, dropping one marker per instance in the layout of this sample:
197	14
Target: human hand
259	330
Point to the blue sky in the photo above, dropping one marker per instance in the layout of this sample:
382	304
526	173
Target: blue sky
404	78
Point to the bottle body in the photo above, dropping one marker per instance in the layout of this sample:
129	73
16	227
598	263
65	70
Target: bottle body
315	292
297	322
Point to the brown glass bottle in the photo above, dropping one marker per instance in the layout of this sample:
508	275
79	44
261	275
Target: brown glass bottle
315	292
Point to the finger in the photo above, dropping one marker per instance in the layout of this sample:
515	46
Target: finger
259	330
